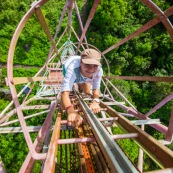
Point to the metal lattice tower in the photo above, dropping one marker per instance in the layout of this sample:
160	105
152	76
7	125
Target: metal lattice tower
93	147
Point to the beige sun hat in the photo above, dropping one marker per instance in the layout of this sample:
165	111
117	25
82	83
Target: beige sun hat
91	56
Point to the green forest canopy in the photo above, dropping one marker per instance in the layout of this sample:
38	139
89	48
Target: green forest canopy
150	54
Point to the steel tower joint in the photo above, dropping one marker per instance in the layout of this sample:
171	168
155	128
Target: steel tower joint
70	4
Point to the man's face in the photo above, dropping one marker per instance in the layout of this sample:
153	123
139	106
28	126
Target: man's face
88	70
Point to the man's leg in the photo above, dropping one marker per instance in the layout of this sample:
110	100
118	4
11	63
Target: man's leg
86	87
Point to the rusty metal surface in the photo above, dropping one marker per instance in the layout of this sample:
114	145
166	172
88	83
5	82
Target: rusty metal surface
86	153
97	155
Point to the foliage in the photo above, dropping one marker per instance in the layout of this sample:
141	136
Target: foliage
130	148
149	54
11	157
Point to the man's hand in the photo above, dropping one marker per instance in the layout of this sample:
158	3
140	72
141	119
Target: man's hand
74	119
95	107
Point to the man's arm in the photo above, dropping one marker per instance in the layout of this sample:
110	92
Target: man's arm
73	118
95	104
66	102
96	93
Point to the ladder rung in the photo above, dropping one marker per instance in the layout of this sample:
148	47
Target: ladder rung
150	121
114	103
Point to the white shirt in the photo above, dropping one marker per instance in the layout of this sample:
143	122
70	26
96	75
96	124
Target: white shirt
73	74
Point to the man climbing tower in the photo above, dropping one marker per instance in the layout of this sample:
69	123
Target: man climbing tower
86	71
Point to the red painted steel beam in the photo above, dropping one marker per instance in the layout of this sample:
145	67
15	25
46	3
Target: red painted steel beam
90	17
10	76
142	78
57	30
45	27
30	161
169	134
49	165
89	139
80	21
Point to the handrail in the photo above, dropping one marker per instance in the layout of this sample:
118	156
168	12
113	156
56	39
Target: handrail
116	158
